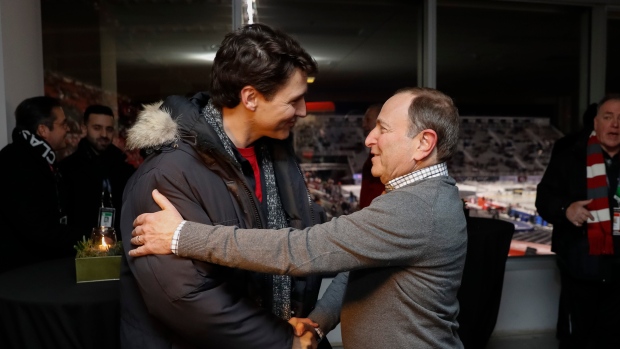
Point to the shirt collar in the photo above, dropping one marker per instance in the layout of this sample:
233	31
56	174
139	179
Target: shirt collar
427	172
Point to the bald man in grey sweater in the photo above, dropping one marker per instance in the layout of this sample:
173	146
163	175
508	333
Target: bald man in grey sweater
405	252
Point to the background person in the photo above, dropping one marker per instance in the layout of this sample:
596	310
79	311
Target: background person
72	139
371	185
96	173
32	208
577	195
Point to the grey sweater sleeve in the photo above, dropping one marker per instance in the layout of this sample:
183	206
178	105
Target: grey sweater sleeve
383	234
327	310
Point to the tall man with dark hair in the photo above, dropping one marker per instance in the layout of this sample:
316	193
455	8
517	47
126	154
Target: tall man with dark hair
578	194
406	251
222	159
95	174
31	210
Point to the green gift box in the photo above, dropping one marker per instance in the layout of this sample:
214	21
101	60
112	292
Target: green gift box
91	269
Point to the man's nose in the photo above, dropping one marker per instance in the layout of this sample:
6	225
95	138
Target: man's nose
371	139
301	109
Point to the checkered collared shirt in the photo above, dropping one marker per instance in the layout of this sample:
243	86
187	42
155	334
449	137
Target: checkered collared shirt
423	173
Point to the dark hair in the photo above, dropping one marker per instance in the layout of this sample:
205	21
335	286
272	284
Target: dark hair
34	111
259	56
609	97
431	109
97	109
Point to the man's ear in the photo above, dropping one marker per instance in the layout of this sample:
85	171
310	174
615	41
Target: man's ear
249	97
43	131
426	146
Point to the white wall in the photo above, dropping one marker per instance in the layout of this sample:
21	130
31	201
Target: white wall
21	59
530	296
334	336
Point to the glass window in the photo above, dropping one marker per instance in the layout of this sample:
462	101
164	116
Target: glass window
509	59
146	49
519	64
127	53
366	50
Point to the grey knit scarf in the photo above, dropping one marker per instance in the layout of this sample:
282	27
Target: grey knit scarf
276	218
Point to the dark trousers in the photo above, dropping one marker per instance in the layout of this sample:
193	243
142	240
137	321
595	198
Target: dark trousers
589	315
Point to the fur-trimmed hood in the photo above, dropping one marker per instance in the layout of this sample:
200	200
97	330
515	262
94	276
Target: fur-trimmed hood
154	127
177	119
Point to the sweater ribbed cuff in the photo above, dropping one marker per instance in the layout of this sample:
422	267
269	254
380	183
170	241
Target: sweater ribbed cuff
174	245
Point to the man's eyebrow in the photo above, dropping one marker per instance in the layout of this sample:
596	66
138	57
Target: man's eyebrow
382	122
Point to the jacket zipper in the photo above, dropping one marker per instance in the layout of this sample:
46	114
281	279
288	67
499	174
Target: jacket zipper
254	206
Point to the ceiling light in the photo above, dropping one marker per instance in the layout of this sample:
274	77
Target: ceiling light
209	56
310	79
251	15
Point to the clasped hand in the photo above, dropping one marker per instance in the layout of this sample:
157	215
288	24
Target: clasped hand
304	333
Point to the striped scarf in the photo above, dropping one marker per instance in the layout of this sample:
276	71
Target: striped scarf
599	229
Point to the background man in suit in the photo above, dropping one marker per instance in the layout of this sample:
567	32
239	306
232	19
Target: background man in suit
406	251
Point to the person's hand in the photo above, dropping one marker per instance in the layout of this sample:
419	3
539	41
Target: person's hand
302	325
153	232
306	341
577	213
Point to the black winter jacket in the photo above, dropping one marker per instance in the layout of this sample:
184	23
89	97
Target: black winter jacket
83	173
563	183
168	301
32	205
